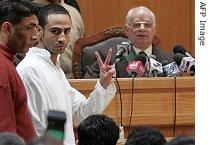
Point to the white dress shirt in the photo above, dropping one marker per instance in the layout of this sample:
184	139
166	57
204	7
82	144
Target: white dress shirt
77	31
47	88
148	51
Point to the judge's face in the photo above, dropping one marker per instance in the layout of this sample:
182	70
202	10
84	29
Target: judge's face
56	34
141	29
24	35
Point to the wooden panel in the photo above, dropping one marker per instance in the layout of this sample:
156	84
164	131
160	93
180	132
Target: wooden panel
175	18
153	102
185	102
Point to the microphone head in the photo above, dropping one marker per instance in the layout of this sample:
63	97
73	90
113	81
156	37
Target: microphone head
153	56
185	63
179	49
142	56
171	69
119	54
136	68
178	58
164	62
156	67
127	44
122	49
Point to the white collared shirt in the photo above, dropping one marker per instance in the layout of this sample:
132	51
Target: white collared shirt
148	51
47	88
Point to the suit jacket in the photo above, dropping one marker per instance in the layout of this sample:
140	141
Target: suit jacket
160	54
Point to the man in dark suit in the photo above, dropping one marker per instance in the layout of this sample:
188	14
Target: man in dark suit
140	27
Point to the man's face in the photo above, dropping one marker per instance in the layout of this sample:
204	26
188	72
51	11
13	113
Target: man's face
24	35
141	30
56	34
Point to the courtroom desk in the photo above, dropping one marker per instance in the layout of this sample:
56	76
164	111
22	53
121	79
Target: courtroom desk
153	103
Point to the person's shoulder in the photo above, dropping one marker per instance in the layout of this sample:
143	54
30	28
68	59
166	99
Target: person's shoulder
161	54
2	62
6	67
3	71
69	8
159	50
74	13
29	66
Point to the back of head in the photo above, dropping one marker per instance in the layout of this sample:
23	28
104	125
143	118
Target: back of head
39	141
50	9
182	140
98	130
8	138
13	11
145	136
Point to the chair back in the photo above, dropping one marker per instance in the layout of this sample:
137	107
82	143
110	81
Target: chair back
84	50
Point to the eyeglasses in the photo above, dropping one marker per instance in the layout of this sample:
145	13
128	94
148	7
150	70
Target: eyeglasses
137	25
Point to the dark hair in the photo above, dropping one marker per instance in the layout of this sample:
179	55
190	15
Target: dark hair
182	140
98	130
13	11
42	140
48	10
73	3
8	138
145	135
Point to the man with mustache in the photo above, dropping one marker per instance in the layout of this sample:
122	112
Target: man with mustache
77	31
18	31
140	27
46	84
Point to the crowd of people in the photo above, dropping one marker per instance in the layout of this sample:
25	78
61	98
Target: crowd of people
45	31
101	129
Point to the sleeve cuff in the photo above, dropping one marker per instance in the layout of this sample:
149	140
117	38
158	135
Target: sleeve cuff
111	88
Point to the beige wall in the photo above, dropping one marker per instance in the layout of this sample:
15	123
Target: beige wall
175	18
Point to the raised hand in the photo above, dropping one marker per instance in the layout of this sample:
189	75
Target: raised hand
106	71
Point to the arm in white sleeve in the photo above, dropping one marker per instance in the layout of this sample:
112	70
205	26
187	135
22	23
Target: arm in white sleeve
36	103
96	103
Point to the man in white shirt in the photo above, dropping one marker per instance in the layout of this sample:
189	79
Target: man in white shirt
45	82
77	31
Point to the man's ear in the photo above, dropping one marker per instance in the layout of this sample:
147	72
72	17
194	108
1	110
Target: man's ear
7	28
154	30
126	30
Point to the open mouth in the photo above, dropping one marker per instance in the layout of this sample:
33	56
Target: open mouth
62	47
142	36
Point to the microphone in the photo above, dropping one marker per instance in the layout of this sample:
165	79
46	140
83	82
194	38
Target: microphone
142	56
123	47
180	49
170	69
186	64
155	68
119	54
55	129
137	67
94	73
